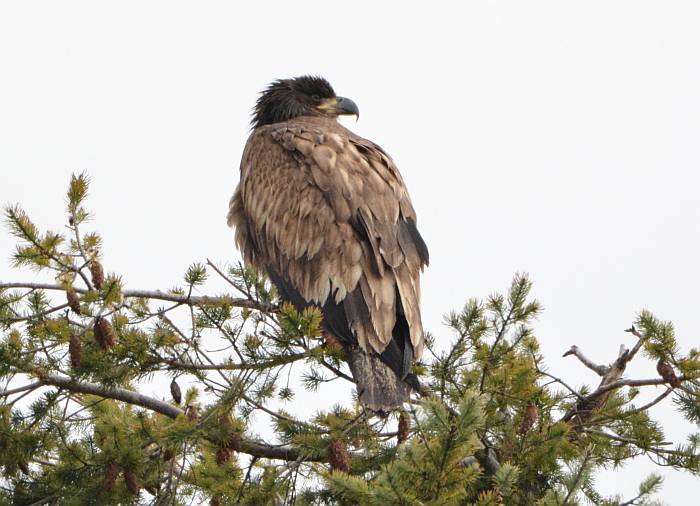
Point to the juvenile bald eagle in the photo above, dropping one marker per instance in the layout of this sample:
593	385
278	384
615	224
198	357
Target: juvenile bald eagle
326	215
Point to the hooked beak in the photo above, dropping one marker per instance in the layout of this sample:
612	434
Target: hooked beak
340	106
346	107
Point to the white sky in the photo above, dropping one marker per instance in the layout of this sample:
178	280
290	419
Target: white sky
557	138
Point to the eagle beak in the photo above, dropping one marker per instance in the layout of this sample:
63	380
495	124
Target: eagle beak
346	107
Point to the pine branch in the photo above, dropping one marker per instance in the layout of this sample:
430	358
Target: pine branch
248	446
175	365
23	388
189	300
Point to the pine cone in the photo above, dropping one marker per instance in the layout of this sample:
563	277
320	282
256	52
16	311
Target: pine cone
338	456
223	455
192	413
175	392
234	442
529	419
75	351
214	501
110	476
73	300
132	482
666	372
404	426
23	467
228	428
104	334
98	274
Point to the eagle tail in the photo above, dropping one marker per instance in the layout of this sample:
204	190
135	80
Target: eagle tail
378	387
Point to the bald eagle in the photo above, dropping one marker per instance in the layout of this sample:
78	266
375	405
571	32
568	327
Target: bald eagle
326	216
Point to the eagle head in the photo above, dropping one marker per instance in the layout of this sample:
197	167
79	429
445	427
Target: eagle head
286	99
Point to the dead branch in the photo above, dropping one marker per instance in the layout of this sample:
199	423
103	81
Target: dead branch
599	369
611	375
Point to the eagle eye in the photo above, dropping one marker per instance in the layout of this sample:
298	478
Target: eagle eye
316	97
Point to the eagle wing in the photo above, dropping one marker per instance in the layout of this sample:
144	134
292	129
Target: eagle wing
327	215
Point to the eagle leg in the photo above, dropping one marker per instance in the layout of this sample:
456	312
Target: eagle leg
378	387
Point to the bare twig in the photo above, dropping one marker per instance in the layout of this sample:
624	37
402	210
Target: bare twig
611	380
599	369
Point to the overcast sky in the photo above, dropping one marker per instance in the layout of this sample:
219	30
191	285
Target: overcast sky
557	138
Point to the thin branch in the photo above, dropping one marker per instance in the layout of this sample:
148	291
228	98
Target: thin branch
579	475
635	383
190	300
599	369
251	447
225	277
634	442
274	362
640	341
17	390
32	316
116	393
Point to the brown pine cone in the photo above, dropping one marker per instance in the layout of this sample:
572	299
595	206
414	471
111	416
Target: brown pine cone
214	501
104	334
175	392
338	456
132	482
191	413
23	467
75	351
234	442
110	476
98	274
223	455
404	427
666	372
529	419
73	300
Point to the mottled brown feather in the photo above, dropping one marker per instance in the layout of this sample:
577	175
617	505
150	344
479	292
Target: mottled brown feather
309	190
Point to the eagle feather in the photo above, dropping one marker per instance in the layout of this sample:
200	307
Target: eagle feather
326	214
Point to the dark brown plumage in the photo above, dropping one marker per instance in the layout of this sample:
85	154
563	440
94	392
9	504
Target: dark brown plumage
326	215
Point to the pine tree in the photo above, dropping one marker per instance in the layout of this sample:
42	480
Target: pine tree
90	412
